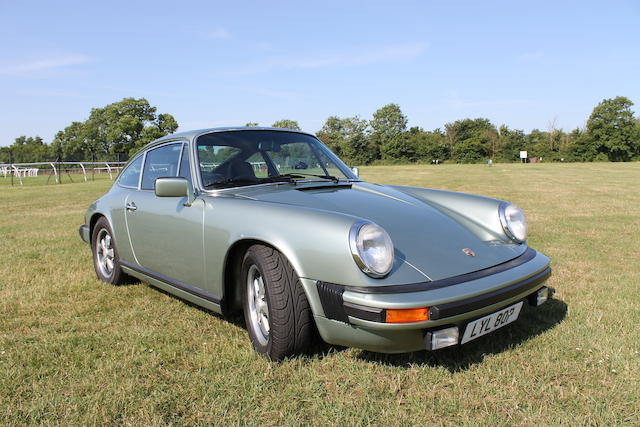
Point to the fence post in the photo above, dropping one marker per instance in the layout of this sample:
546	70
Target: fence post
84	172
11	165
54	172
59	166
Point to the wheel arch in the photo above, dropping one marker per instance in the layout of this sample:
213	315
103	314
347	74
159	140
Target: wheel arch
93	221
231	303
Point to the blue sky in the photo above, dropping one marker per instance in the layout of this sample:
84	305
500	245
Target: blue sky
226	63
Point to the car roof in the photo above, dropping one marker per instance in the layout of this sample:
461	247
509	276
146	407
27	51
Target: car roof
190	134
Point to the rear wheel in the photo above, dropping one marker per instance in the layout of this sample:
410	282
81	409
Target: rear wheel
105	254
276	309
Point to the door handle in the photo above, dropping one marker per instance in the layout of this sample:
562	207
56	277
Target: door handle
131	206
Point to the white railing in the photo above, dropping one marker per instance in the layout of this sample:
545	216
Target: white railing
26	170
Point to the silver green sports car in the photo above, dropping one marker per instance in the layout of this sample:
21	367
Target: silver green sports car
270	223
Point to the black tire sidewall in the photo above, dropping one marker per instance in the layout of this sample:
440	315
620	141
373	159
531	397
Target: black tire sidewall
252	258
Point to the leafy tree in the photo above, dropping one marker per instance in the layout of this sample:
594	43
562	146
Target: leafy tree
332	134
472	140
388	125
4	155
287	124
357	146
118	129
73	144
428	146
252	124
399	148
582	148
512	142
637	138
164	124
537	143
125	126
348	138
565	146
389	121
27	150
471	150
612	129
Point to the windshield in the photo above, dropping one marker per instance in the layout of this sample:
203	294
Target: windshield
235	158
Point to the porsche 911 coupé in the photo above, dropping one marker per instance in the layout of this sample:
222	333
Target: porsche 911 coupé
271	223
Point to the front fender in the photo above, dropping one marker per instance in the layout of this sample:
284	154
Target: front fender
314	241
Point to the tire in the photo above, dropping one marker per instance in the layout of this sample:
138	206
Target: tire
105	254
281	299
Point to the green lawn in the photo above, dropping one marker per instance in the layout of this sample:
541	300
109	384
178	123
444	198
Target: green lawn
76	351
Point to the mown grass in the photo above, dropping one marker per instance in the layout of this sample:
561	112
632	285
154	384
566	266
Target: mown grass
76	351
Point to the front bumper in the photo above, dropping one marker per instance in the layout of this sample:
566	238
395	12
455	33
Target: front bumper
346	316
84	233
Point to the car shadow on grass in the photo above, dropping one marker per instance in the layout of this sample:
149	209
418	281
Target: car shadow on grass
318	349
532	322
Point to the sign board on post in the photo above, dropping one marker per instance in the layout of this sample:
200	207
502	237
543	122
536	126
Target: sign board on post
523	156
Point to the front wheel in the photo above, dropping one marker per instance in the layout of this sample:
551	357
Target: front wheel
276	310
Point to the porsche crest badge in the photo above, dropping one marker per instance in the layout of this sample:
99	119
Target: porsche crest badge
468	252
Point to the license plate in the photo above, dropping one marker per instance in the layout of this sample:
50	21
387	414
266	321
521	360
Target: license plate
490	323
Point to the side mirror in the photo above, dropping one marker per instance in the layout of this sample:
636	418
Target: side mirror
355	170
174	187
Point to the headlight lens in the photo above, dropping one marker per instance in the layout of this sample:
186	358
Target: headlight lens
513	222
371	248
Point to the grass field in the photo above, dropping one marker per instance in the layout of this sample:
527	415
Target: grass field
76	351
45	178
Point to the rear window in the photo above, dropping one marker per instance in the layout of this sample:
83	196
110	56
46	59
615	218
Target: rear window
131	175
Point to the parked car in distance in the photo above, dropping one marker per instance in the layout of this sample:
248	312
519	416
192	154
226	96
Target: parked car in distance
271	223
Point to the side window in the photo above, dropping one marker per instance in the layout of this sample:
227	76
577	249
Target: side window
160	162
212	159
185	170
259	165
131	175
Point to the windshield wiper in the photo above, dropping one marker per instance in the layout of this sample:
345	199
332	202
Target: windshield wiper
288	177
242	181
303	175
250	181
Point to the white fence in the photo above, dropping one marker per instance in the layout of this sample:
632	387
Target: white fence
26	170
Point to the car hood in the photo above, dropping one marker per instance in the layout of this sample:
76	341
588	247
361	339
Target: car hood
423	235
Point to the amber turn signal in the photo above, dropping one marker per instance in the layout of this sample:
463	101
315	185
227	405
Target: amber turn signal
406	315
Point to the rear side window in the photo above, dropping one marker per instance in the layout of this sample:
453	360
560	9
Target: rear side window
131	175
160	162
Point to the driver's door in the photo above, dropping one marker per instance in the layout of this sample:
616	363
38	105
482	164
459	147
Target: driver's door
166	236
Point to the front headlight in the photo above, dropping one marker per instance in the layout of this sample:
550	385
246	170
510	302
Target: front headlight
371	248
513	222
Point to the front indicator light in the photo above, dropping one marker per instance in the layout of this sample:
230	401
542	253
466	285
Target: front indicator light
441	338
407	315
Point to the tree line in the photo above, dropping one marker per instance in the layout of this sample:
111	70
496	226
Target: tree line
612	133
118	130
